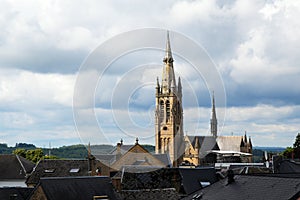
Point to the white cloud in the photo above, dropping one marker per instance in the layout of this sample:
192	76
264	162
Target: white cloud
23	90
254	44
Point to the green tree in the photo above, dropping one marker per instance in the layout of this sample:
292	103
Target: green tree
20	152
293	152
33	155
297	147
287	153
297	141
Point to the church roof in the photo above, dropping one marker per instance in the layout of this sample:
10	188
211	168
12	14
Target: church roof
229	143
206	143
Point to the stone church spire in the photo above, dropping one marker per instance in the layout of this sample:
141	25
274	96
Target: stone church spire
168	77
213	120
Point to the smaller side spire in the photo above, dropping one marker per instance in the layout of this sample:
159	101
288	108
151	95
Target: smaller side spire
213	121
245	137
197	143
179	90
157	86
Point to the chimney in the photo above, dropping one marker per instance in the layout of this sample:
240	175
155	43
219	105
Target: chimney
230	176
118	154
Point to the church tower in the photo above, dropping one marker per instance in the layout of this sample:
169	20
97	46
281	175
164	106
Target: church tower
168	114
213	120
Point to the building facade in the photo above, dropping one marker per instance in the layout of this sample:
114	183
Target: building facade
168	114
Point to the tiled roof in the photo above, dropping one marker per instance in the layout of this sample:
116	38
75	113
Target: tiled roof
79	188
58	168
251	187
14	167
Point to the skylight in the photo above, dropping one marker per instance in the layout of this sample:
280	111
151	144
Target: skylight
74	170
49	170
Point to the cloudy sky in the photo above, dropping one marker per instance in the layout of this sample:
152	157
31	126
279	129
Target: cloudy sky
253	44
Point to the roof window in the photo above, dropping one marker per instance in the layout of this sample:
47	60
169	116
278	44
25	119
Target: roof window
74	170
49	170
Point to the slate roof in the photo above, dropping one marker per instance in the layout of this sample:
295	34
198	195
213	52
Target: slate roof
16	193
185	180
58	168
251	187
79	188
124	149
288	166
158	179
107	159
14	167
206	143
192	178
164	158
167	193
110	158
229	143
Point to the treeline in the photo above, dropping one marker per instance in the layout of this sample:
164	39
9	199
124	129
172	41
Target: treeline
79	151
33	153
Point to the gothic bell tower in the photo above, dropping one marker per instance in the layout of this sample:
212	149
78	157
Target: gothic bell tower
168	114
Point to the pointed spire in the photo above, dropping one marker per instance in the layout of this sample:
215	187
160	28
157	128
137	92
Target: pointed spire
179	85
197	143
250	143
213	121
89	150
168	57
168	79
245	137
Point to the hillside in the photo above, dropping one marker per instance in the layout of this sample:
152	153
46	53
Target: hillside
79	151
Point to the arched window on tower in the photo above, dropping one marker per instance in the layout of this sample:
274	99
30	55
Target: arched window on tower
162	107
168	110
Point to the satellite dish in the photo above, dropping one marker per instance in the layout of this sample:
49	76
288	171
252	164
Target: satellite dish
266	155
267	160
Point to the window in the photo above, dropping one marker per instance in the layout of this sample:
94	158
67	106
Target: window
74	170
165	128
161	108
168	109
49	170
